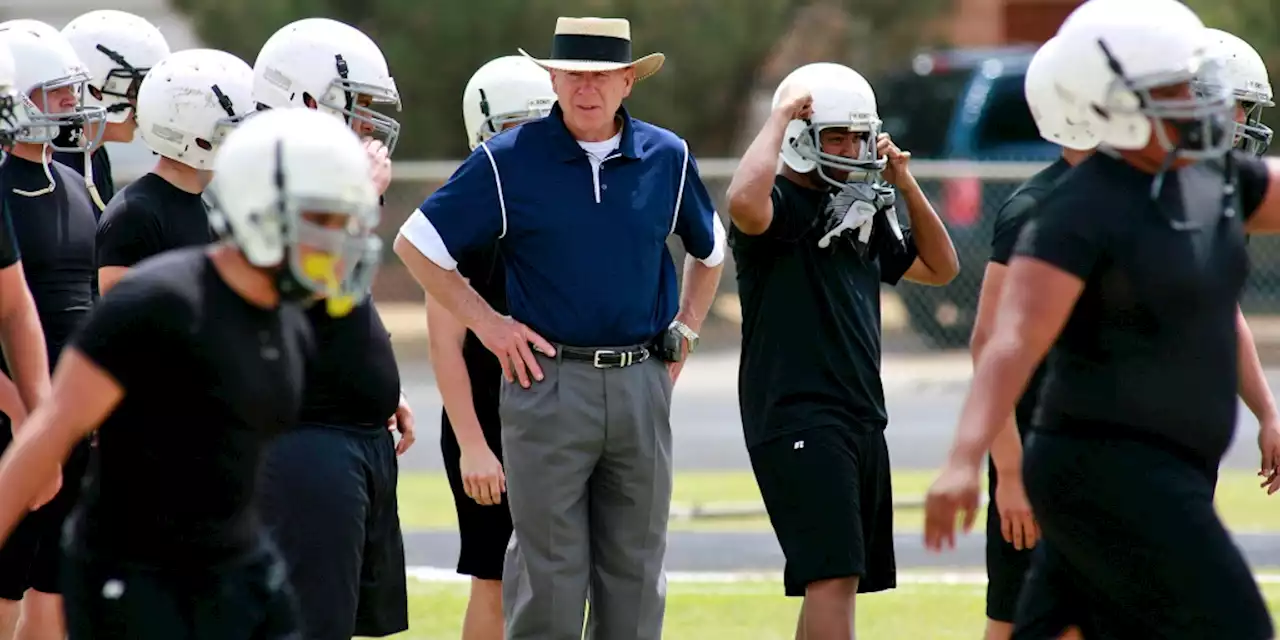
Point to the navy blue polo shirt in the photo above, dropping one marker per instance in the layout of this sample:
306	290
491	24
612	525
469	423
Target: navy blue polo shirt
585	266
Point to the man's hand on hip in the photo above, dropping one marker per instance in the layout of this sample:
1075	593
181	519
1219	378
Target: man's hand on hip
510	340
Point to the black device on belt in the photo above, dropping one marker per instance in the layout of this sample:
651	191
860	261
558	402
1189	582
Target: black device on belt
668	346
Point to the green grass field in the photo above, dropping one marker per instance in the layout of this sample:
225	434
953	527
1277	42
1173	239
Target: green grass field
758	611
425	501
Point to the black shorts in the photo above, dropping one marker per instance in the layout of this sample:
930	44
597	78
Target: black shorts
485	530
246	600
1132	546
1006	566
31	557
328	499
829	495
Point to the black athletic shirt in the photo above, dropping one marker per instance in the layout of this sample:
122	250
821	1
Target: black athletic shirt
55	239
810	321
1009	222
102	177
208	379
9	252
483	269
151	216
1149	351
354	381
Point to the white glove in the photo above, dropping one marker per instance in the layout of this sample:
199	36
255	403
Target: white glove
850	208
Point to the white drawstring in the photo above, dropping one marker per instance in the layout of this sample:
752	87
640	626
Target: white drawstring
44	164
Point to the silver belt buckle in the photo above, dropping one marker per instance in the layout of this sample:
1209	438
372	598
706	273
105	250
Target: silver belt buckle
595	360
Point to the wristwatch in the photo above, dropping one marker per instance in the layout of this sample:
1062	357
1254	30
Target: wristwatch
688	334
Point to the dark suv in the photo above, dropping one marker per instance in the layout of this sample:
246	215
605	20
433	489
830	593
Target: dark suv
962	105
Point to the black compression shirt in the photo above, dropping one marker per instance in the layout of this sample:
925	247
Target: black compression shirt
1149	350
354	382
811	320
102	177
150	216
1009	222
55	233
208	379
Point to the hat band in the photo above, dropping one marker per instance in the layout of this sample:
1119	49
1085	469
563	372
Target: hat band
594	48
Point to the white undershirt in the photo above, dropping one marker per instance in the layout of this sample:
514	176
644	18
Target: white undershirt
597	153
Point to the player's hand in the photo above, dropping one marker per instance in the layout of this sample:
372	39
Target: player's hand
510	340
955	492
1017	524
1269	447
48	492
380	161
402	422
482	476
796	103
895	171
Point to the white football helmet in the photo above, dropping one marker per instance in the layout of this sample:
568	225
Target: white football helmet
189	102
8	98
118	48
276	168
506	90
1246	76
45	62
1122	53
1059	121
333	64
842	99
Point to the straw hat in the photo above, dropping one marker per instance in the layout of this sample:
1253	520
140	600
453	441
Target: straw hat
596	44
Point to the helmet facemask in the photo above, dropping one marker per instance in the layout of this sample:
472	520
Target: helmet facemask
1202	117
120	88
495	123
43	124
865	168
343	98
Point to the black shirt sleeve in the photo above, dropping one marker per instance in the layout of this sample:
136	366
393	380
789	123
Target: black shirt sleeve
1009	221
1253	179
1069	233
128	235
133	333
895	256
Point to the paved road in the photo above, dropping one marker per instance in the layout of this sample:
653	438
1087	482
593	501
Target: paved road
924	394
758	551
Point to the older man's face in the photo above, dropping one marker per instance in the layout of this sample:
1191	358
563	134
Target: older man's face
590	99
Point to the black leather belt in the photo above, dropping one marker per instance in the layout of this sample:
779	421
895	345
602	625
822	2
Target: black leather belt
607	358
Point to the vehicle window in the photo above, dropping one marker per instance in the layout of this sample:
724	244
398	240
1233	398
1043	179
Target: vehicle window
918	110
1006	119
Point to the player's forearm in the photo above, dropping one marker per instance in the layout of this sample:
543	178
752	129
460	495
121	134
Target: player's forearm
26	354
1006	451
698	292
751	188
454	383
1254	390
1000	377
29	464
933	243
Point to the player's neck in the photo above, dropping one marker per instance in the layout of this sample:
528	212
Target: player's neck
181	176
249	282
1074	157
36	153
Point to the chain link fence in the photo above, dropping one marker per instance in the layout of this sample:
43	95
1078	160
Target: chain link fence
916	318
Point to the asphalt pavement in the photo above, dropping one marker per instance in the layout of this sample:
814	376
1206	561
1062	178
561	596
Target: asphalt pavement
923	392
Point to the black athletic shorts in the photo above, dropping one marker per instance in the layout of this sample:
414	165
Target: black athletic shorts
245	600
328	499
1132	546
31	557
829	497
1006	566
485	530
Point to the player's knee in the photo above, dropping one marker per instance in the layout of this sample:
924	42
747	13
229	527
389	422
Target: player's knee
831	591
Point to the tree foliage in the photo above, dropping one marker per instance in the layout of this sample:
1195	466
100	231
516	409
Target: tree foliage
715	50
